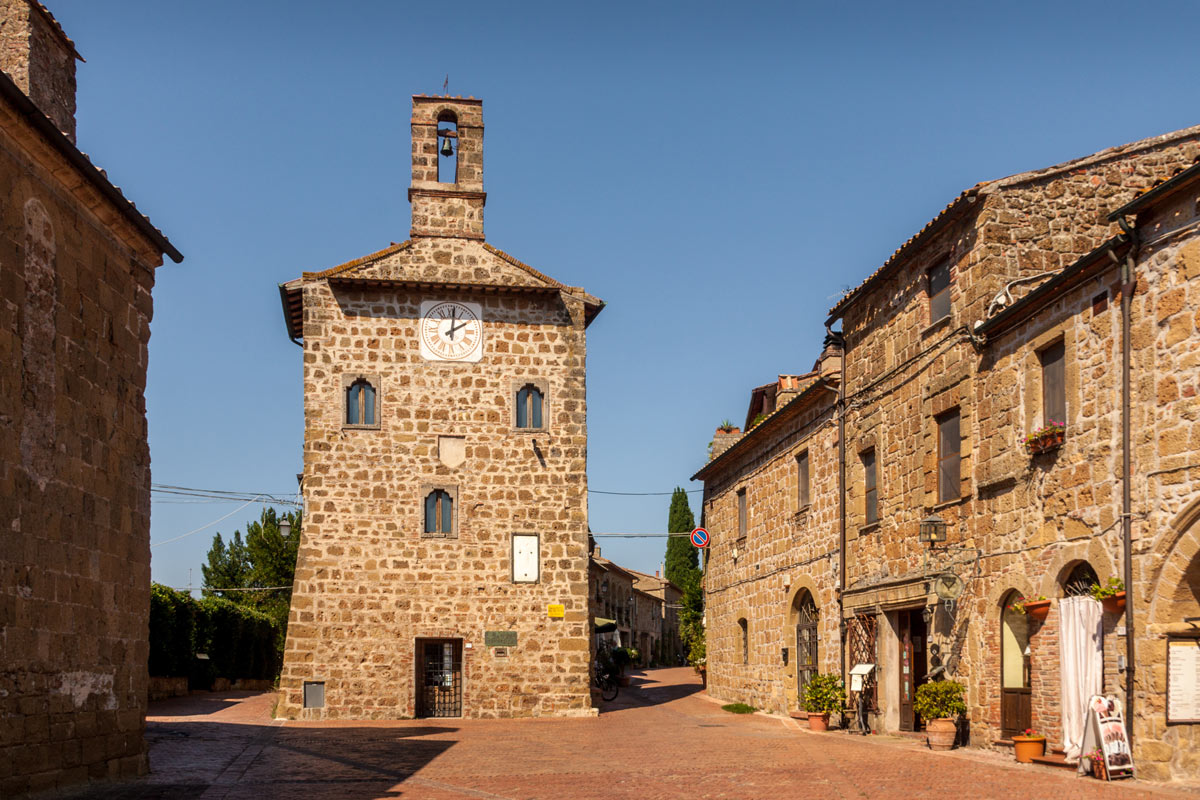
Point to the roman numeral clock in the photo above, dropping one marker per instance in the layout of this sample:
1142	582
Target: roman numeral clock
451	331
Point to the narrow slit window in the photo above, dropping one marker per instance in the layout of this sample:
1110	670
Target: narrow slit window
447	141
745	640
439	513
741	498
949	456
529	406
802	486
939	292
870	487
360	403
1054	389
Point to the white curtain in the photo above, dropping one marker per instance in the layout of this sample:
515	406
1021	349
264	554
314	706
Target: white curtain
1080	636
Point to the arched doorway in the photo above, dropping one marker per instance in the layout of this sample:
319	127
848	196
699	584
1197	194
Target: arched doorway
1015	663
807	618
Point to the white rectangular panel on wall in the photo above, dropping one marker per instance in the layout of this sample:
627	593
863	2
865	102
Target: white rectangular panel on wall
525	558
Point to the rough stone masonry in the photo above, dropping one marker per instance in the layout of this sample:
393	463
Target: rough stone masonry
443	564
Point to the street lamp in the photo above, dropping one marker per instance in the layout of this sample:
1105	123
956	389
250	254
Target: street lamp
932	530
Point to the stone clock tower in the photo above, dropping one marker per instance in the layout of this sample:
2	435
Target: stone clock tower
443	565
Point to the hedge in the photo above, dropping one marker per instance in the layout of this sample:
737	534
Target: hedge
239	642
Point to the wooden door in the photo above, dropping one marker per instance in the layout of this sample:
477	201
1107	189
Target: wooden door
920	639
1015	693
904	621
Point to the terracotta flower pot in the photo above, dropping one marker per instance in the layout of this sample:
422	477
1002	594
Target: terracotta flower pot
941	733
818	722
1099	771
1027	748
1114	604
1038	609
1046	442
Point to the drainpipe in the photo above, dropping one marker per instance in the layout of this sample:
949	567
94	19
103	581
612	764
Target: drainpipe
1127	287
841	408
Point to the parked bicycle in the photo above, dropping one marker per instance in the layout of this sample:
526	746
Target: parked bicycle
606	681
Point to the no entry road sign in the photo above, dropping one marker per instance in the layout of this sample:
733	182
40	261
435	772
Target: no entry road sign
700	537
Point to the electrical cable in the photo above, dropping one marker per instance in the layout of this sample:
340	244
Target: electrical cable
208	525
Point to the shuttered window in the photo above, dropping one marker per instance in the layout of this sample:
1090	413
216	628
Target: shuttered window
1054	386
802	485
871	496
939	292
525	559
949	456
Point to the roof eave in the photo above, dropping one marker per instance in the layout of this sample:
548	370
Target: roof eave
1153	196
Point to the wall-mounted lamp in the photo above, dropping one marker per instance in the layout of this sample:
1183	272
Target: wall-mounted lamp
932	529
285	527
927	613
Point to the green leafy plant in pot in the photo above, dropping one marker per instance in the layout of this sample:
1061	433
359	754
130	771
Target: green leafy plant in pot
940	703
823	695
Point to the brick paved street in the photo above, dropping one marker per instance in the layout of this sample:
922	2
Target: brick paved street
659	739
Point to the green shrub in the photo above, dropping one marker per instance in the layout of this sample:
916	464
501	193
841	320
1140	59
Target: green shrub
940	700
739	708
172	630
239	642
824	694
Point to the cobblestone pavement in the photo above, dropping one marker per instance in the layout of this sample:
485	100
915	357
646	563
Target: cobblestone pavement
662	738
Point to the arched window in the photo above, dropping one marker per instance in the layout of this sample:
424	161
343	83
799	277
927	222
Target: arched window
360	403
806	641
529	406
439	513
447	139
745	628
1081	580
1015	665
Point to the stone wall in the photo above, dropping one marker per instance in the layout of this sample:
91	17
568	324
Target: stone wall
75	310
787	551
39	57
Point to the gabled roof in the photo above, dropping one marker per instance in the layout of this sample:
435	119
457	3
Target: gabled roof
90	173
291	293
661	580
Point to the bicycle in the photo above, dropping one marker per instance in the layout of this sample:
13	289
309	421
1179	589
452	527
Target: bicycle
606	681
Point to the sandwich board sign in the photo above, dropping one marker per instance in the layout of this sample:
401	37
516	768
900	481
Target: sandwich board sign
1105	731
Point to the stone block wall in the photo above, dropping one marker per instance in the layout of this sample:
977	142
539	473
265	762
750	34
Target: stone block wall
369	584
75	310
787	551
39	57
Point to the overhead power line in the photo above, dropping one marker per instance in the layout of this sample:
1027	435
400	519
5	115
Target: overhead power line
644	494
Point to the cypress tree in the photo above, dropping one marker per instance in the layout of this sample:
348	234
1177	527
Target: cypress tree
681	561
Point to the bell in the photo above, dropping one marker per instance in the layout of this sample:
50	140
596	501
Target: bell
447	148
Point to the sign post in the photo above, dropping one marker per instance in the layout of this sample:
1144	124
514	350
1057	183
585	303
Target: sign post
700	538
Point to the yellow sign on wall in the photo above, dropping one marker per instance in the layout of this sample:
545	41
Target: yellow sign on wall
556	610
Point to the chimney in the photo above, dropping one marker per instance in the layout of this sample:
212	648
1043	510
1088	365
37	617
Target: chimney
40	59
829	364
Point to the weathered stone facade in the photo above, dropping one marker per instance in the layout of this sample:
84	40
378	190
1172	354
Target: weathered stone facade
667	597
374	588
1025	274
76	271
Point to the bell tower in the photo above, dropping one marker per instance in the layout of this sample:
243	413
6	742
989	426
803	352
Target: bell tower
446	193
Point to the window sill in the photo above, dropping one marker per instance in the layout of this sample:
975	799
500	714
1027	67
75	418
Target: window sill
868	528
530	430
347	427
936	326
950	503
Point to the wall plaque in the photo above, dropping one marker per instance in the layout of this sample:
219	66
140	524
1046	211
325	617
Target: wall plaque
500	652
1183	680
556	610
499	638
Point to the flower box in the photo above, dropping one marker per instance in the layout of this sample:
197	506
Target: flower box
1114	604
1038	609
1045	440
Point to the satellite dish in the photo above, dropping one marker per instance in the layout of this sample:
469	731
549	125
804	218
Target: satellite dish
948	586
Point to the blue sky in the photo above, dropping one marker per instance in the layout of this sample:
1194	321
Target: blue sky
718	173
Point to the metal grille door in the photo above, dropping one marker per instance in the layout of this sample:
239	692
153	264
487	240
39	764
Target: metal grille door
439	693
862	651
806	645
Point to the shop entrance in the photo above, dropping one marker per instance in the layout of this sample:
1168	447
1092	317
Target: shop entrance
439	677
912	635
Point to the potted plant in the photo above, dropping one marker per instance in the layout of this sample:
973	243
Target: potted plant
823	695
621	657
1099	770
1111	595
1037	609
939	703
698	657
1029	745
1046	438
726	426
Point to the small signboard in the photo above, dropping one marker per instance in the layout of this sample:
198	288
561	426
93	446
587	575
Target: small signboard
700	538
499	638
1107	728
500	652
556	610
858	675
1183	680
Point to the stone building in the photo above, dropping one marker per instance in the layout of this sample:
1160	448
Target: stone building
77	265
443	569
997	318
668	599
771	508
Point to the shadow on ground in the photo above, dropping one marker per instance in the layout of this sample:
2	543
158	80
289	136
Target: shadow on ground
645	689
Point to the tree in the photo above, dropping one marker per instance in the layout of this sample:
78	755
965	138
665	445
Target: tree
265	561
682	565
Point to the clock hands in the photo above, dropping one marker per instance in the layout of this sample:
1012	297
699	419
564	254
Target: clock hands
453	327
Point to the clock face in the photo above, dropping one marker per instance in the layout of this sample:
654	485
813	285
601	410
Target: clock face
451	331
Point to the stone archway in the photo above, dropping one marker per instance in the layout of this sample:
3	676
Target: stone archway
805	607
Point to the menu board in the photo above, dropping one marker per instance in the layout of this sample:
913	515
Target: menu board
1183	680
1108	729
